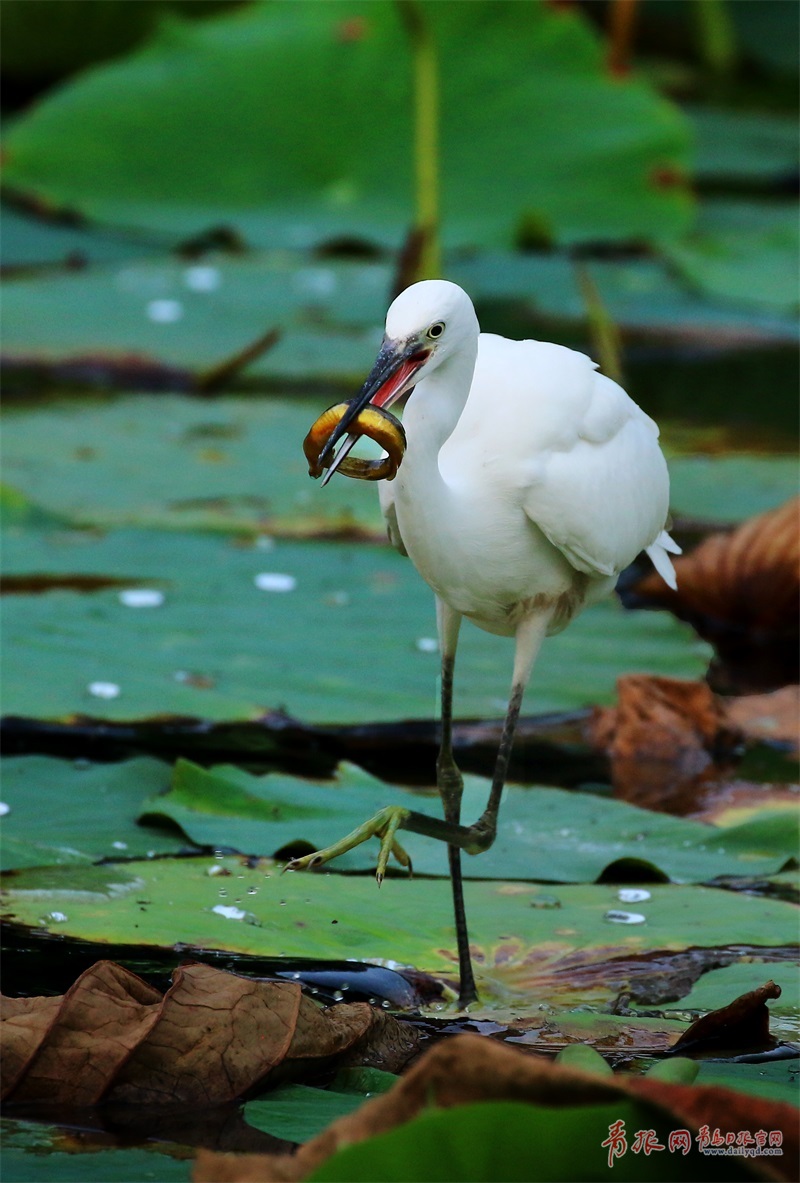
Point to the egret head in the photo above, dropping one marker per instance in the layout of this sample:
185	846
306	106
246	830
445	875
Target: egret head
434	317
426	324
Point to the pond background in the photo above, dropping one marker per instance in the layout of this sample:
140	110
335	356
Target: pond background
207	210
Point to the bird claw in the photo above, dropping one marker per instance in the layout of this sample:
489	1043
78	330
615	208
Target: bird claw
383	825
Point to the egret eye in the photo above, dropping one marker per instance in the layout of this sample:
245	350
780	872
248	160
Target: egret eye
436	330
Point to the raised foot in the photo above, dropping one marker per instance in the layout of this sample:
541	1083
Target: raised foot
383	826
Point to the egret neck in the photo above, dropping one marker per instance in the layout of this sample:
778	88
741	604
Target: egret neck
437	402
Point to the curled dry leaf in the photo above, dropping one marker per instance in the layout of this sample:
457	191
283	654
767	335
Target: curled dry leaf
26	1023
664	737
212	1037
739	590
743	1023
471	1068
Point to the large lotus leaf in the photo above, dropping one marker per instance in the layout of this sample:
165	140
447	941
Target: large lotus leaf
191	316
528	940
718	987
730	488
237	464
743	252
34	1152
306	144
345	632
521	1143
28	241
297	1112
17	511
543	834
233	464
775	1081
643	297
60	811
744	146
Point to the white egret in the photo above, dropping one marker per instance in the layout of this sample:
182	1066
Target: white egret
529	482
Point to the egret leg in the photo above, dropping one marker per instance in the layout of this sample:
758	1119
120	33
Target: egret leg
475	838
530	633
451	786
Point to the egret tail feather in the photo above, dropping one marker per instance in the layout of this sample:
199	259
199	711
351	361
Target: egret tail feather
657	553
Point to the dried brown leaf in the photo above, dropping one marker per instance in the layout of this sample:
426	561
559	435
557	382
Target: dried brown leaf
211	1038
471	1068
743	1023
357	1035
217	1035
663	737
25	1024
96	1025
740	591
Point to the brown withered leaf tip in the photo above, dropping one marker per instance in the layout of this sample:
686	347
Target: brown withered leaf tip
210	1039
471	1068
743	1024
740	590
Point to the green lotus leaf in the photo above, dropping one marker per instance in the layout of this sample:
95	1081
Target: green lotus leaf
544	834
146	141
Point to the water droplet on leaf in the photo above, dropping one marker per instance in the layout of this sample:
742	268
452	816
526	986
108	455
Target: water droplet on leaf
202	278
141	597
229	911
275	581
165	311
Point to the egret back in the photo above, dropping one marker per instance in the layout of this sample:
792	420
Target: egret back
543	427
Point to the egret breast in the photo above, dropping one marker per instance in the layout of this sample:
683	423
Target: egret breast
486	559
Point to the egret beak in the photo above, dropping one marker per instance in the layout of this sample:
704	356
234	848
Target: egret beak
393	373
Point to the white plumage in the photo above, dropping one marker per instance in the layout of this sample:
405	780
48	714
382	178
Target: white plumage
528	483
526	470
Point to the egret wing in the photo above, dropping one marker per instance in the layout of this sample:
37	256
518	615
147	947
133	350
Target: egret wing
543	427
605	497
